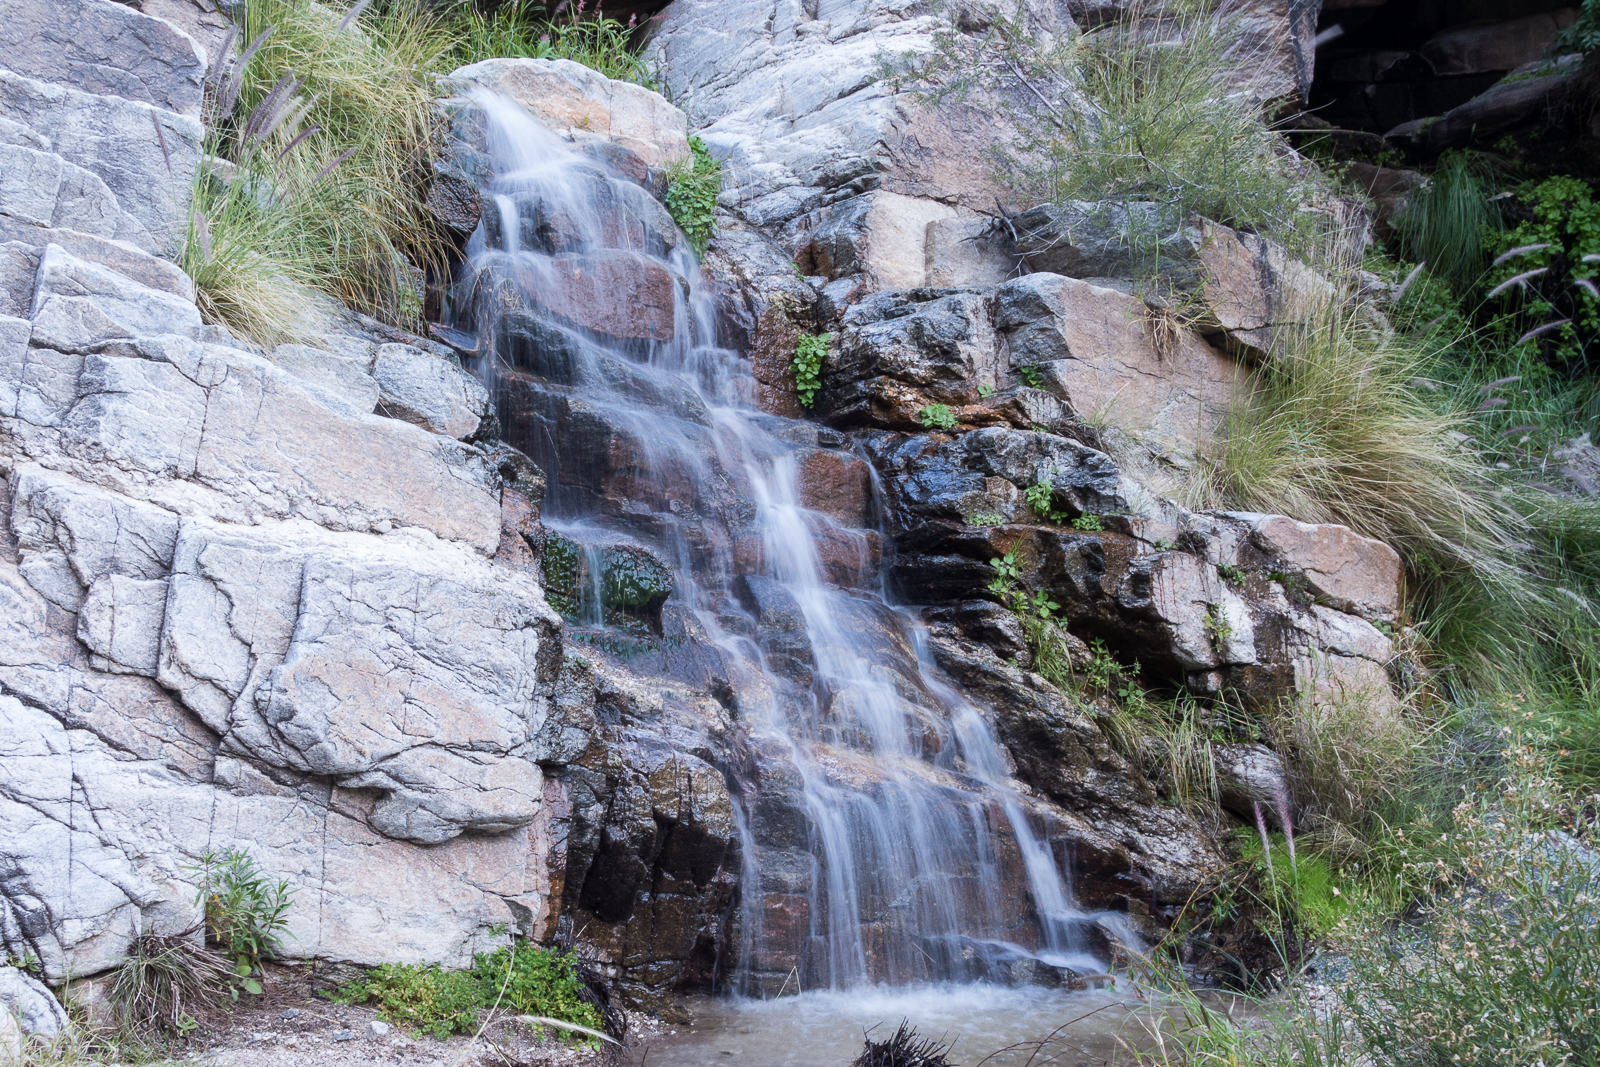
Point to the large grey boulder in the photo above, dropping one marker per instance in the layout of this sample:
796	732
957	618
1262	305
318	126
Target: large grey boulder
79	307
105	48
145	155
30	1002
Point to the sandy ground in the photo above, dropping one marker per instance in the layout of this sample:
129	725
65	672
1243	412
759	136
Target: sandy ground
289	1025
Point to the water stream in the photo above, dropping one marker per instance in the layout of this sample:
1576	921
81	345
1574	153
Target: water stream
917	859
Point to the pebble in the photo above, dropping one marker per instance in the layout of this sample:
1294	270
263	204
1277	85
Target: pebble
345	1035
288	1013
378	1028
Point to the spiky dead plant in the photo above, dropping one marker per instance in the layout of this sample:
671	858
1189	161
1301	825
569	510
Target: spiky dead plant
168	983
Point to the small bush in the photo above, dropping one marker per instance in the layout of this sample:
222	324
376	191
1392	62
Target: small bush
1505	966
692	188
1041	498
937	417
809	352
245	911
523	979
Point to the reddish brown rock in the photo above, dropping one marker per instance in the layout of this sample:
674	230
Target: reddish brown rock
620	294
837	485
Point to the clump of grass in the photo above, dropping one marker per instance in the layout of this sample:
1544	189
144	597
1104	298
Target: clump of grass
1448	222
1148	108
1333	429
168	983
325	122
600	43
523	980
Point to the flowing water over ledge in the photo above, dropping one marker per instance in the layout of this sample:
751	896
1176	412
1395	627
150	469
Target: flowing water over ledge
825	1028
883	837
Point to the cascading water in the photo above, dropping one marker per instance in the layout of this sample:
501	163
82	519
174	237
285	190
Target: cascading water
915	847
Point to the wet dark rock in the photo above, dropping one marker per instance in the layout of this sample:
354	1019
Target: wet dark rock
900	351
765	309
781	627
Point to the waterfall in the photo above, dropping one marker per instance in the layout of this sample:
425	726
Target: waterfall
918	856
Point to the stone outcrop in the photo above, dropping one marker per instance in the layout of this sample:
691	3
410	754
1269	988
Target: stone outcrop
295	602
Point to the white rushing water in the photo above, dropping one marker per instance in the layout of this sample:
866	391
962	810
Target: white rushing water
919	858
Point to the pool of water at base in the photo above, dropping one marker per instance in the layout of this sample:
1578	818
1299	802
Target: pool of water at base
826	1029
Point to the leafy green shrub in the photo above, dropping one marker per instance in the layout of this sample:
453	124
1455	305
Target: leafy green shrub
524	979
937	417
1087	522
809	352
1583	35
244	910
692	188
599	43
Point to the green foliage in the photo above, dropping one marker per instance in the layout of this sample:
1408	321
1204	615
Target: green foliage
599	43
809	352
1232	574
523	979
1304	889
1506	966
1217	626
1146	108
692	188
1041	498
245	910
937	417
1449	221
986	518
425	999
1556	256
1583	35
1087	522
168	984
1031	376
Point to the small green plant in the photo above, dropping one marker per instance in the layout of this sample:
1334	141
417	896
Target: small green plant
985	391
809	352
1087	522
1041	498
245	912
1543	281
1217	626
985	518
1031	376
1446	222
1231	573
692	188
522	978
937	417
27	961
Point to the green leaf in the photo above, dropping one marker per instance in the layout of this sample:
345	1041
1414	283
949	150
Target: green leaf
251	985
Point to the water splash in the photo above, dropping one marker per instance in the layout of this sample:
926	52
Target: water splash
884	838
